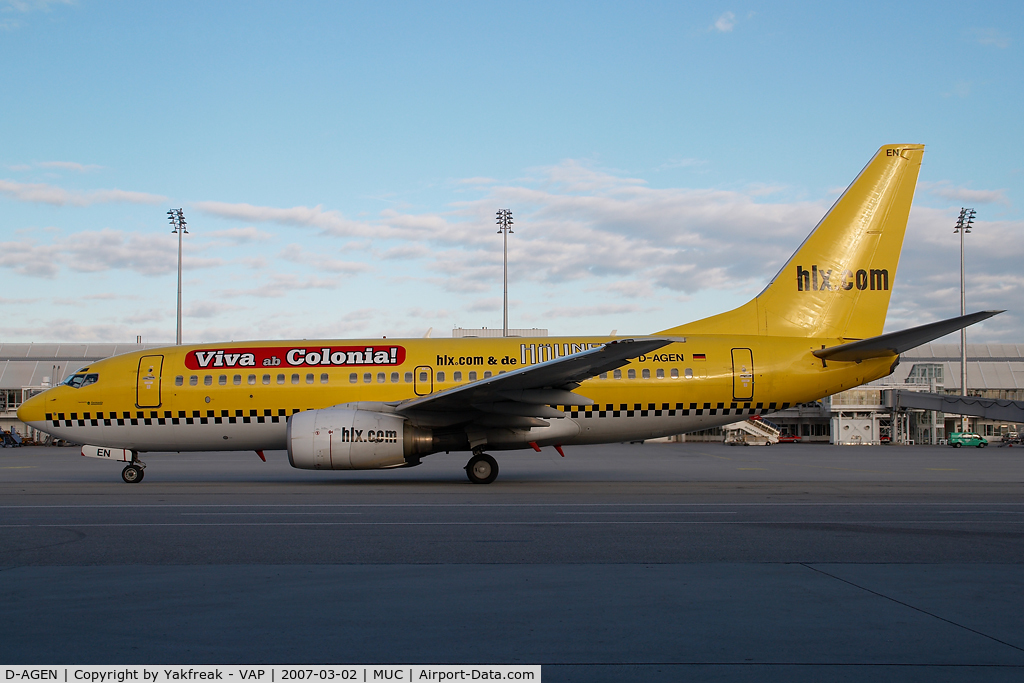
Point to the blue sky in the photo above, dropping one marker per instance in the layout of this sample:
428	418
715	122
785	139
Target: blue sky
340	164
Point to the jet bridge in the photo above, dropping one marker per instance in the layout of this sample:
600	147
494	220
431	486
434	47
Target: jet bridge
989	408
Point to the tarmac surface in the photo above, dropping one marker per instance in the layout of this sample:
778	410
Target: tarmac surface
654	562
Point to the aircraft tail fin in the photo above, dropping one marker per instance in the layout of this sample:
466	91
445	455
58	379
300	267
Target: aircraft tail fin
838	282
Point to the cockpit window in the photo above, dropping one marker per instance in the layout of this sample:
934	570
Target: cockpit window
82	380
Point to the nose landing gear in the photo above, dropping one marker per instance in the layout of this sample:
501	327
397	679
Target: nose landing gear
482	468
134	472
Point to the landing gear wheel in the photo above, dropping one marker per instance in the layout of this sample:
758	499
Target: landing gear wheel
482	469
132	474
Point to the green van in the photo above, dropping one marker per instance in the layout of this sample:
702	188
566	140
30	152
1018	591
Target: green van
958	439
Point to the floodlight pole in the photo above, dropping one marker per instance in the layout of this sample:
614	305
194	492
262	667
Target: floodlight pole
505	227
177	218
963	226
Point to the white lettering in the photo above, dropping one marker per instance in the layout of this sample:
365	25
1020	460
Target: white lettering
204	357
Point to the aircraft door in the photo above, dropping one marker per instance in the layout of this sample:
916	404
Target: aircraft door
423	380
147	391
742	375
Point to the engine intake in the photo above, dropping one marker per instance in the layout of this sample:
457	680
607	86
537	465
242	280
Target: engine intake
353	439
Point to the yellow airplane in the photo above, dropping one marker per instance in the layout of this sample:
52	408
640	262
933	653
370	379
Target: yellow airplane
815	330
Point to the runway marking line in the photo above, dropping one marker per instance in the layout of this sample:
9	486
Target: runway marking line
495	505
941	469
814	568
868	522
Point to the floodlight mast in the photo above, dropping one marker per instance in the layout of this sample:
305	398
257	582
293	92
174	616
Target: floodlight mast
177	219
963	226
505	227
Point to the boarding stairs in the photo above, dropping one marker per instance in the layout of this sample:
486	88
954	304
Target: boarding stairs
752	432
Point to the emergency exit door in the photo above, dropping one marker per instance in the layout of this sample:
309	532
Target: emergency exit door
742	375
147	390
423	380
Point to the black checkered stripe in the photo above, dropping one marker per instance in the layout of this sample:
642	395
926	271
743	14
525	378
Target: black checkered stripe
638	409
154	417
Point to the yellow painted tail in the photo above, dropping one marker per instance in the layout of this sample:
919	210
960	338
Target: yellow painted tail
838	282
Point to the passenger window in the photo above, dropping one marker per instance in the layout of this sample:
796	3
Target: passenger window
423	377
394	378
208	380
193	380
266	379
456	376
603	375
487	373
367	377
295	378
280	379
237	379
309	378
660	374
324	378
380	378
252	379
688	372
645	373
617	374
472	376
440	377
353	378
631	373
179	381
408	377
222	380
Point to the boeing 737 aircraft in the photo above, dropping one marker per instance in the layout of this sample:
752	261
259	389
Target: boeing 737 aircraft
815	330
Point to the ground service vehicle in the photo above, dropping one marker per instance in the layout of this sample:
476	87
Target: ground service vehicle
958	439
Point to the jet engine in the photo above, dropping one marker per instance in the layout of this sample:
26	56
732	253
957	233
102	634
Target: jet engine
354	439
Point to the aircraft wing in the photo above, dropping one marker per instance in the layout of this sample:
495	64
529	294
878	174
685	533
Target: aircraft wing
896	343
522	397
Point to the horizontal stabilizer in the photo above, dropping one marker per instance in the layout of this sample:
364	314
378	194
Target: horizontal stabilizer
896	343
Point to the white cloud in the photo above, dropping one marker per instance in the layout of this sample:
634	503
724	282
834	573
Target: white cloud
99	251
331	222
725	23
580	230
247	235
42	193
31	5
681	163
208	309
587	311
946	190
486	305
69	166
991	36
281	285
296	254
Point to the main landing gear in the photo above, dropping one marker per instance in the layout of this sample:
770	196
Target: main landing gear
482	468
134	471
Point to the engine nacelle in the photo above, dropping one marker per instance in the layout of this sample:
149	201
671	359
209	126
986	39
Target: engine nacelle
353	439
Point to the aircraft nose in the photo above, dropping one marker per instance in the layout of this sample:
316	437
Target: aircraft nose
33	410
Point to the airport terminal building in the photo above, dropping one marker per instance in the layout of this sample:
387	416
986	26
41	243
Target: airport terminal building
856	416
